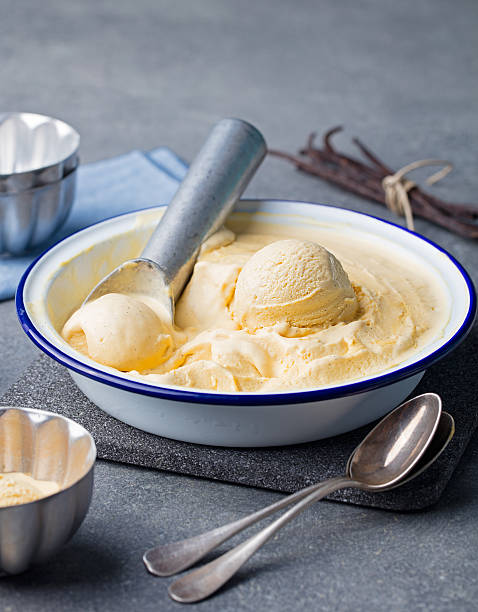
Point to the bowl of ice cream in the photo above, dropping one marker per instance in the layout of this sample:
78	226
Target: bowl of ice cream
46	482
300	321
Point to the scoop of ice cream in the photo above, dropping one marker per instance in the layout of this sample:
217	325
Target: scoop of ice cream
18	488
120	331
295	282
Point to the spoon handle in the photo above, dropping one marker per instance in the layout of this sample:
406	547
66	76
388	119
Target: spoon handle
203	582
174	557
214	182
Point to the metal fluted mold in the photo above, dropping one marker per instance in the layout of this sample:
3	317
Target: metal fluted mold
38	162
35	150
29	218
49	447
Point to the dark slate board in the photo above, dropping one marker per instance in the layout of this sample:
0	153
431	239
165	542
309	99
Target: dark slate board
47	385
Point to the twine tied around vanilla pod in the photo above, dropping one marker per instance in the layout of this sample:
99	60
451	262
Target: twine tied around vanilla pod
397	186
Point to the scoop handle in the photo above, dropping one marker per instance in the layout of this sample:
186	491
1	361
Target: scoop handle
213	184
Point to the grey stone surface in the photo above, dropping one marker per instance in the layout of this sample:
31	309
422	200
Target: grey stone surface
403	76
288	468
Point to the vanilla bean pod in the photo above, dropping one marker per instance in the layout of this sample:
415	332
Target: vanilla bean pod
366	180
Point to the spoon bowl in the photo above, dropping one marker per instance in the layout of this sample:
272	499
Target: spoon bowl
442	437
394	446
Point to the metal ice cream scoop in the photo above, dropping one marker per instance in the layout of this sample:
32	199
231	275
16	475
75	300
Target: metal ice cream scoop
213	184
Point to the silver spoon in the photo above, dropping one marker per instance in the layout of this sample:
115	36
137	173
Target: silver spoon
214	182
386	458
174	557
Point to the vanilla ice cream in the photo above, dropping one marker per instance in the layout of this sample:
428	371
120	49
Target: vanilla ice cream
265	312
18	488
295	282
121	331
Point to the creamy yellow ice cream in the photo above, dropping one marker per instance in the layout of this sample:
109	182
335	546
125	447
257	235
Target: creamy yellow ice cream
18	488
121	331
295	282
266	312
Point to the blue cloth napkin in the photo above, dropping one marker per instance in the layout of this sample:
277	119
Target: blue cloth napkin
105	189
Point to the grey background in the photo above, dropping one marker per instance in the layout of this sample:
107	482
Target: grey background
401	75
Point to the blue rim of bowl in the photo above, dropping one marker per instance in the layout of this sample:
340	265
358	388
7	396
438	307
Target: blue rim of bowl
243	398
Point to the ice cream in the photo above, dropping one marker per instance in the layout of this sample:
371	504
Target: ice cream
121	331
265	312
18	488
295	282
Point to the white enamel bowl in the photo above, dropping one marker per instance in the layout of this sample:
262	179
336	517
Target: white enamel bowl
58	281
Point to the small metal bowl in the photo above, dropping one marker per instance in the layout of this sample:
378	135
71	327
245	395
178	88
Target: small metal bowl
28	218
35	150
49	447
